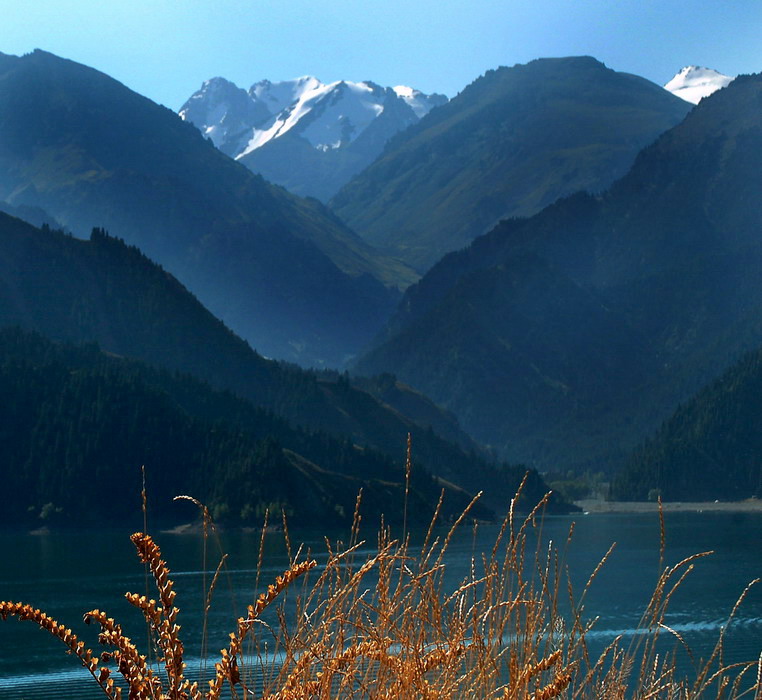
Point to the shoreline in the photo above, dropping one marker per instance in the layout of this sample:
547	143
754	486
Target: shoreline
591	506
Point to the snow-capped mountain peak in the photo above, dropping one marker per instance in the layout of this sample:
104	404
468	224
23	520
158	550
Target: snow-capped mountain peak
692	83
420	104
328	115
221	110
325	116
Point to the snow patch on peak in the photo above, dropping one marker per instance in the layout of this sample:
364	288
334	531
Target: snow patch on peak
692	83
293	99
420	104
327	115
277	96
404	91
216	83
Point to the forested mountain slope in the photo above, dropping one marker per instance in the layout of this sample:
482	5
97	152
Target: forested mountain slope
711	447
104	291
564	339
76	426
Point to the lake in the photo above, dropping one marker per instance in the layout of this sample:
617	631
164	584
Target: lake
66	574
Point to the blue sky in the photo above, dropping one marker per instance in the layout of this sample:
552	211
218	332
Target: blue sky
164	49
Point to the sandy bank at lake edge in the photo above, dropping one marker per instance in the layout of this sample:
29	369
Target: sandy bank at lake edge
599	506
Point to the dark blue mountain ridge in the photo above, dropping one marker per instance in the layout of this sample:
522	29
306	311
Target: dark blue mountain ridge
282	271
511	143
106	292
565	338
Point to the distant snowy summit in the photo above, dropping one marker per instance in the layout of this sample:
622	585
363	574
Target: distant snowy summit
325	117
694	82
329	114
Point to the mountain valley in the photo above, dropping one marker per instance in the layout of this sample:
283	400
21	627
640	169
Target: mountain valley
103	291
283	272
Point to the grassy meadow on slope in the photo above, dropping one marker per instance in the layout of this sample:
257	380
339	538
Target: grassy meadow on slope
509	144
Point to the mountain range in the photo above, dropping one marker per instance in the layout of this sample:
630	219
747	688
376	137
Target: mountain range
101	290
509	144
565	338
305	135
281	271
619	279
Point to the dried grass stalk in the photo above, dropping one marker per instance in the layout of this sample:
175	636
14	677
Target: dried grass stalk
386	626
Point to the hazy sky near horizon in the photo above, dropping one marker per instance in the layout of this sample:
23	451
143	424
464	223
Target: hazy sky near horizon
165	49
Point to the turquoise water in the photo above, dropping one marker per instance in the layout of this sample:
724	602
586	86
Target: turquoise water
66	574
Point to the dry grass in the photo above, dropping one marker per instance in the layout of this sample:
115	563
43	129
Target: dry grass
385	626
